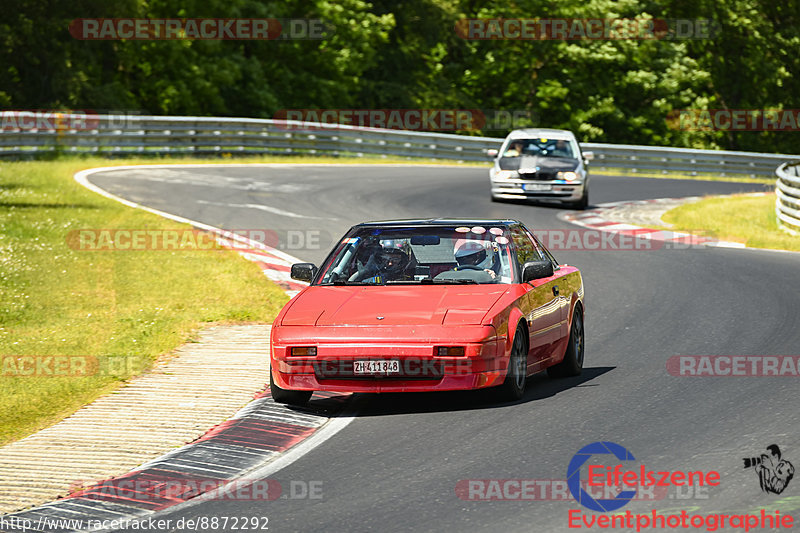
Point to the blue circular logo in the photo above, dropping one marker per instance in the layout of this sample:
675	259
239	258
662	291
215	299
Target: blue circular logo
574	477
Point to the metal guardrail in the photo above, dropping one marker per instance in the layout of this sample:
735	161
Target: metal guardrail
139	135
787	197
660	159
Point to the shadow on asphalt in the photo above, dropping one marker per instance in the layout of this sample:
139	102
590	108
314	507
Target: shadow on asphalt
538	387
551	204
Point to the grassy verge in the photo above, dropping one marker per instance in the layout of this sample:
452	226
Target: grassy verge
121	309
747	219
627	172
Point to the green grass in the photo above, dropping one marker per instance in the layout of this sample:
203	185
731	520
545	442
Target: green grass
132	305
742	218
629	173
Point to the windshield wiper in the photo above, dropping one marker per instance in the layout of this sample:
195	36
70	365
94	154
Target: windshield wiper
446	280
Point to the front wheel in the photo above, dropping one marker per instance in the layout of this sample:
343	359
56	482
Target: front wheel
572	365
583	203
291	397
513	388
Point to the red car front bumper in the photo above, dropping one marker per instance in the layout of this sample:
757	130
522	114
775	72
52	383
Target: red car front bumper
484	363
386	384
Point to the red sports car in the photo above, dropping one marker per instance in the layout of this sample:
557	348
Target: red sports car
424	305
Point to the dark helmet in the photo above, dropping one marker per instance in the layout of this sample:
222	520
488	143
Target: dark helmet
393	260
368	248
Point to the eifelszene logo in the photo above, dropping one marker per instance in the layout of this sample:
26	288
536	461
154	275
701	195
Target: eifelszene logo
617	477
774	473
574	476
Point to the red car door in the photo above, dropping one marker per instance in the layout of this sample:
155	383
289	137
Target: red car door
562	286
541	305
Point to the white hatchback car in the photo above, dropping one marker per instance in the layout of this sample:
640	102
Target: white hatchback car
541	164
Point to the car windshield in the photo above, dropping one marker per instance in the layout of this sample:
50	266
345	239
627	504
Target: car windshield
541	147
420	255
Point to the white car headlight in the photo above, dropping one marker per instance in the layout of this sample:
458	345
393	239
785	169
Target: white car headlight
505	174
569	176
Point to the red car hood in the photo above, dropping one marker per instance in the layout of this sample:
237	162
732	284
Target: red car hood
398	305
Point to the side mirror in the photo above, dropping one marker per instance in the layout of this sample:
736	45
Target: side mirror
492	153
588	156
304	271
536	270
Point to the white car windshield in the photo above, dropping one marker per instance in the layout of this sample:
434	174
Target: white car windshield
421	255
541	147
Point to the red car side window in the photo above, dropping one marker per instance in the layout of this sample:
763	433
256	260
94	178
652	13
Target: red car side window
526	249
543	252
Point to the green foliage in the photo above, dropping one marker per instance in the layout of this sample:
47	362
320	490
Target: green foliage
395	54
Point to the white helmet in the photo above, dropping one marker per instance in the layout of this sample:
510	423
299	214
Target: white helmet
472	253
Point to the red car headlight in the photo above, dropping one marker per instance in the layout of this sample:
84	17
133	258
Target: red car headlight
304	351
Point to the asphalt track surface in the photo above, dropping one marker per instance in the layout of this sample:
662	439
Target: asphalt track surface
396	466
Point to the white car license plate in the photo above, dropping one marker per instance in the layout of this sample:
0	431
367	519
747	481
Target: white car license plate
387	367
536	187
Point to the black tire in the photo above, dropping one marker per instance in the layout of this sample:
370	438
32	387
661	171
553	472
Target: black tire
513	388
291	397
583	203
572	365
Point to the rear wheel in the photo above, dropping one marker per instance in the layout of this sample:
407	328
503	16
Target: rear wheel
292	397
572	365
513	387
